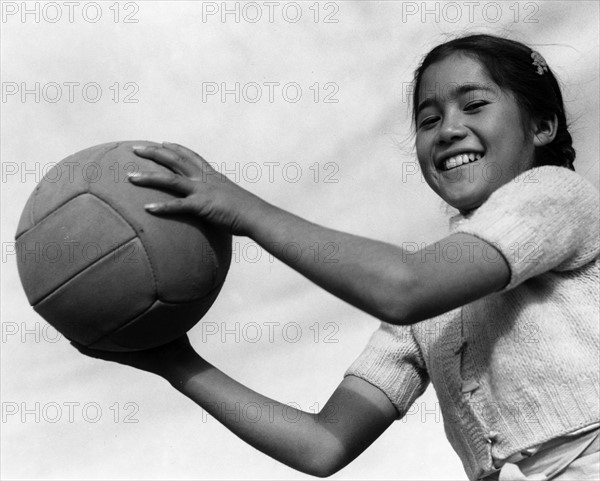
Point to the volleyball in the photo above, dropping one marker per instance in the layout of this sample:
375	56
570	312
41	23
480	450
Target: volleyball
102	270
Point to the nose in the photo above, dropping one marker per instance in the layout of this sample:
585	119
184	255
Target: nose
452	129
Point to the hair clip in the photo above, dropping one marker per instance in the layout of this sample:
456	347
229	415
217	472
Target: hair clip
539	62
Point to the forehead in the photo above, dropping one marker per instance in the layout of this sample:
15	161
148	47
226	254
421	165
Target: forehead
444	78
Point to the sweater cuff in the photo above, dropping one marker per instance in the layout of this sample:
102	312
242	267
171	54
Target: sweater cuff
393	363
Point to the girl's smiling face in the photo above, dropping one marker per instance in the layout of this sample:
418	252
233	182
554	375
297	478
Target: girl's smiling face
470	134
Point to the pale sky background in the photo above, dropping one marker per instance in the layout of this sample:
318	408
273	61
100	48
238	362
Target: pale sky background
367	184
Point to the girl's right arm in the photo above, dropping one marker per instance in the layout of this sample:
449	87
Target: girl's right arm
320	444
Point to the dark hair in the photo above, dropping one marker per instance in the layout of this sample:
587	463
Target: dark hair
510	65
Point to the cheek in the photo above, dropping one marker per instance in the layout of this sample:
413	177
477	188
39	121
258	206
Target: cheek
422	150
426	167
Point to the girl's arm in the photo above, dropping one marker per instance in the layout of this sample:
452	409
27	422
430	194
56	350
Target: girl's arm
317	444
395	285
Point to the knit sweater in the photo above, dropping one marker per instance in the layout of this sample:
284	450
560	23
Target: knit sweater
520	366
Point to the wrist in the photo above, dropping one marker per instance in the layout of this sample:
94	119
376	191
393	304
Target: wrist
254	214
179	372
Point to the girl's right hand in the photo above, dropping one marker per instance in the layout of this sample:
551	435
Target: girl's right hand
162	360
203	190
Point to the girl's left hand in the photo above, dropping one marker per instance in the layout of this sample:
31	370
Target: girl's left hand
207	193
162	360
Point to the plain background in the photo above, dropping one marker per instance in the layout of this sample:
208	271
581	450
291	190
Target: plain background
69	417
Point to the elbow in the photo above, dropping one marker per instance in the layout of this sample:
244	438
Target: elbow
398	309
322	472
325	460
325	468
396	315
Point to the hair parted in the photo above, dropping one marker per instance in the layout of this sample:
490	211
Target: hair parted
509	64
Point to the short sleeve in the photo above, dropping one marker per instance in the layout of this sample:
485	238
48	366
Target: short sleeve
393	362
545	219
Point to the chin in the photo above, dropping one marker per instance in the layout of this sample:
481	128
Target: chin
466	203
463	196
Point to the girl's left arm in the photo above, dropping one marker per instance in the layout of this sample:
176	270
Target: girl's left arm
395	285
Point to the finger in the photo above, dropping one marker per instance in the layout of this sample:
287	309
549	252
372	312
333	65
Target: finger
168	158
184	151
114	356
86	351
176	206
207	168
173	182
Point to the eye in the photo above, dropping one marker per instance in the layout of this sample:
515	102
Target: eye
476	104
428	121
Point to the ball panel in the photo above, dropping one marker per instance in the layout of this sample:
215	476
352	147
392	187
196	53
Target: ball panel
66	241
67	179
161	324
180	277
202	267
100	299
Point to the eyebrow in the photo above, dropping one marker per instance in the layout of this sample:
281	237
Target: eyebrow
459	91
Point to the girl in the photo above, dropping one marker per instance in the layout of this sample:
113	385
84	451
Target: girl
492	141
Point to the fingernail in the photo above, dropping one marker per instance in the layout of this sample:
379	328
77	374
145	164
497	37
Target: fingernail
151	206
138	147
132	175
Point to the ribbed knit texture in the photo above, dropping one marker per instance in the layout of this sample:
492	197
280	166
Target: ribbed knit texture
518	367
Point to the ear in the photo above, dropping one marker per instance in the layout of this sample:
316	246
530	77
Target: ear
544	131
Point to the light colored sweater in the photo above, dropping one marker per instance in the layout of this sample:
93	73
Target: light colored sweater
521	366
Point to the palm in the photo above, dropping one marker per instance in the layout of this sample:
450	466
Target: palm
154	360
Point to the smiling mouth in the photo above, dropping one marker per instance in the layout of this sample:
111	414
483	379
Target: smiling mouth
460	159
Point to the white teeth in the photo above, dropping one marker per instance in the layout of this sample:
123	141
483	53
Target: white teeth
459	160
